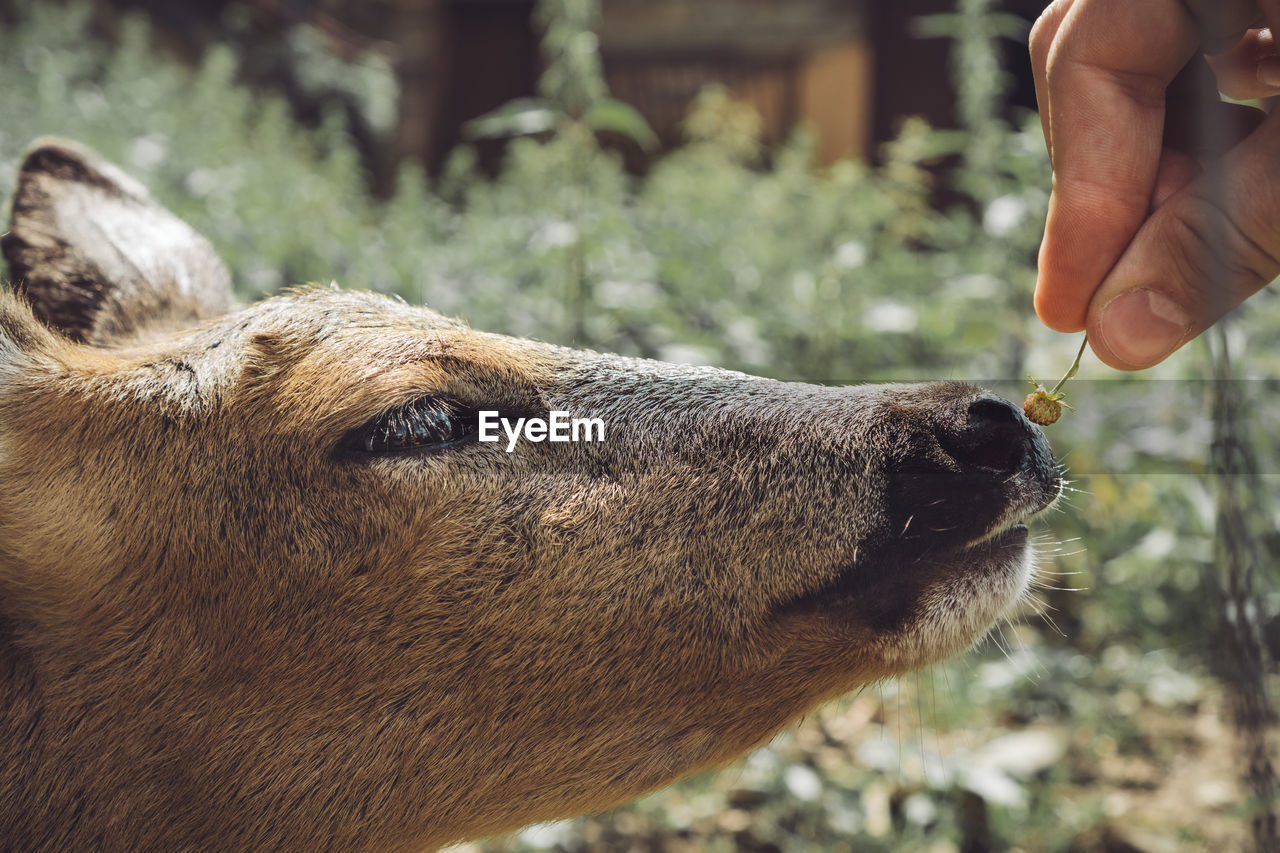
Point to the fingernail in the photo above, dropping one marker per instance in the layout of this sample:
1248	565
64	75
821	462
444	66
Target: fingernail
1269	72
1141	327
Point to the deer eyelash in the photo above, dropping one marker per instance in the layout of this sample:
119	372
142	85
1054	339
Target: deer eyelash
428	423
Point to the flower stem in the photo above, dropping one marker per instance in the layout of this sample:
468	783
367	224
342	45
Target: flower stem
1075	365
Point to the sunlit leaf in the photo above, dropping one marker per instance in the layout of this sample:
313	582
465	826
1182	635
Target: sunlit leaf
520	117
611	114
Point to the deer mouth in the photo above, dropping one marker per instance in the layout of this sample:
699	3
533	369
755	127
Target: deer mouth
935	594
984	555
1004	546
1041	493
1015	534
994	553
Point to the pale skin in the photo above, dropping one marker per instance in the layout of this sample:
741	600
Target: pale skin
1147	245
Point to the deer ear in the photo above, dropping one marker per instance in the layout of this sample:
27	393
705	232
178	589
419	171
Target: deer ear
97	258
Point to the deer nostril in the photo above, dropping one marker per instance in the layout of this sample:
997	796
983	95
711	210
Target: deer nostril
988	410
995	435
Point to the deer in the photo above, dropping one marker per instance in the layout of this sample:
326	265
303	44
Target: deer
261	587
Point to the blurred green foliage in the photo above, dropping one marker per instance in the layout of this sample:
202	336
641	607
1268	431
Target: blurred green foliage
756	260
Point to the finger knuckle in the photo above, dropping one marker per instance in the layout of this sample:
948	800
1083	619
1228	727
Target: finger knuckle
1040	39
1252	249
1188	243
1045	30
1208	241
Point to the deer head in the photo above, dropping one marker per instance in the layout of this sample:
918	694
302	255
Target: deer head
261	587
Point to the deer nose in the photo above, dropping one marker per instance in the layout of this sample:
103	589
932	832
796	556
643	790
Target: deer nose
996	435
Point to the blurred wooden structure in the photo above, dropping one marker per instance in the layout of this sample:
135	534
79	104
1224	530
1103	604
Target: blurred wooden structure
850	69
794	61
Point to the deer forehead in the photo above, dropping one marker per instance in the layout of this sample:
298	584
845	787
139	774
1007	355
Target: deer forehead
311	354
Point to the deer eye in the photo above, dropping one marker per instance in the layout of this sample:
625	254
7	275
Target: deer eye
431	423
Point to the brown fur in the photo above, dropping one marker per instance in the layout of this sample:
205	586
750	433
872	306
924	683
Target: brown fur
220	631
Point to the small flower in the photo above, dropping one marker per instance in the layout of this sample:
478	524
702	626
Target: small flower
1044	406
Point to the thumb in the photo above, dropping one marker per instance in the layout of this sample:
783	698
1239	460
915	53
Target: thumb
1205	250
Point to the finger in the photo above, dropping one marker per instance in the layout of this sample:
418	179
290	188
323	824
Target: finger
1204	251
1040	42
1269	16
1239	71
1222	23
1268	70
1105	78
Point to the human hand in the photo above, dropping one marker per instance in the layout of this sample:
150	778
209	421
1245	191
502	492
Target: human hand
1147	245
